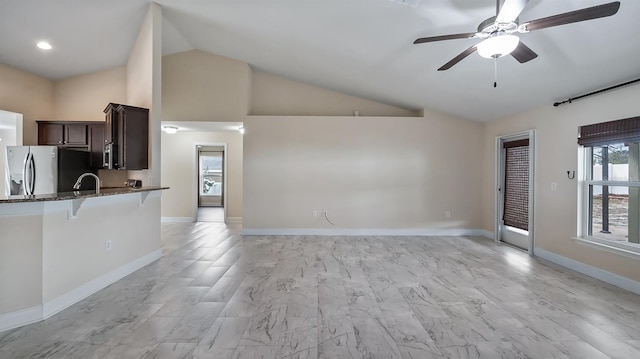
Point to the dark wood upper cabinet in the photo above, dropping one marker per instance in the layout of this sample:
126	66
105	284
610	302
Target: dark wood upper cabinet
132	138
81	135
50	133
127	132
95	141
110	124
75	134
61	133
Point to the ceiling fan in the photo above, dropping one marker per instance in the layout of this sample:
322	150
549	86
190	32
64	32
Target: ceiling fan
497	32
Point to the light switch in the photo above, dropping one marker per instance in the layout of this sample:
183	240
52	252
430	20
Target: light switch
554	186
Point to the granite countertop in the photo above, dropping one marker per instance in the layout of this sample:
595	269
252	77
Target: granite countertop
63	196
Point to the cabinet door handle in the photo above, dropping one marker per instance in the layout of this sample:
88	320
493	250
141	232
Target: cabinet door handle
60	142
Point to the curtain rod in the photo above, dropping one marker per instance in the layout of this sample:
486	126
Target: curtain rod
569	100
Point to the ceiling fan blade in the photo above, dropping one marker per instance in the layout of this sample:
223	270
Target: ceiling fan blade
467	35
458	58
523	53
590	13
510	10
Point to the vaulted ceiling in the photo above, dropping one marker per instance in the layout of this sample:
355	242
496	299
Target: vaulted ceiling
359	47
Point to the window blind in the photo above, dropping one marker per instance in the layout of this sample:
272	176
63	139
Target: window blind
516	186
619	131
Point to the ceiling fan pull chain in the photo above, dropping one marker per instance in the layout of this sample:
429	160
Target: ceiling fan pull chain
495	72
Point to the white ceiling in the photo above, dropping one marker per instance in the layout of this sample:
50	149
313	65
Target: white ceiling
359	47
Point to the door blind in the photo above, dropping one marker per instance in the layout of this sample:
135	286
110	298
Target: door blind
516	186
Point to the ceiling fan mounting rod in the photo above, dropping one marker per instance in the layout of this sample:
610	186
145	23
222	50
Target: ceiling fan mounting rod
495	72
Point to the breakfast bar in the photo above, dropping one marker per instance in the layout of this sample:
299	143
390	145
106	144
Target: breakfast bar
56	249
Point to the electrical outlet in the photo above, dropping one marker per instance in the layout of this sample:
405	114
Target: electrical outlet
447	214
314	213
107	245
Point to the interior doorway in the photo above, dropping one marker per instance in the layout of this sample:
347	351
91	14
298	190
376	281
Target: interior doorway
10	135
211	177
515	191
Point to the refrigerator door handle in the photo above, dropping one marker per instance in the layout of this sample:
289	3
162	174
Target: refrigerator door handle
32	166
25	181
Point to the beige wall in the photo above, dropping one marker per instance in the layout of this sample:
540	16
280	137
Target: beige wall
78	98
367	172
179	172
556	133
84	97
275	95
139	66
144	86
199	86
74	250
48	259
27	94
20	257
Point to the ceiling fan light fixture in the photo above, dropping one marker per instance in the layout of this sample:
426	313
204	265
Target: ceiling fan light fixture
498	46
44	45
170	129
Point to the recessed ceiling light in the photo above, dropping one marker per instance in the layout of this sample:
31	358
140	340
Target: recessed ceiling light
44	45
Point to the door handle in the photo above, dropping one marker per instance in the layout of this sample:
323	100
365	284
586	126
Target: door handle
33	174
28	176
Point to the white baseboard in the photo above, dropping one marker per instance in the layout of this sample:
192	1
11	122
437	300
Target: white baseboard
20	317
176	219
75	295
607	277
34	314
233	220
362	232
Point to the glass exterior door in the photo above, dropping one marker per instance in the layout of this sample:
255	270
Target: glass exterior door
211	183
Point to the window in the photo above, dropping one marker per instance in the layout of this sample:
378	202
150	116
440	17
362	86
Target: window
211	173
611	187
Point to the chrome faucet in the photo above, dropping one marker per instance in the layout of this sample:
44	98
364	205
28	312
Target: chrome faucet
79	181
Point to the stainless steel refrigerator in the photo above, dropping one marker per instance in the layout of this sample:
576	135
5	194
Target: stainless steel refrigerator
32	170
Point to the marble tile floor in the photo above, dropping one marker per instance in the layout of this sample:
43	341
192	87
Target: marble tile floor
217	294
210	214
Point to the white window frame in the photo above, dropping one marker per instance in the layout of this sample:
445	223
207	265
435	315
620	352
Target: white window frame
627	249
